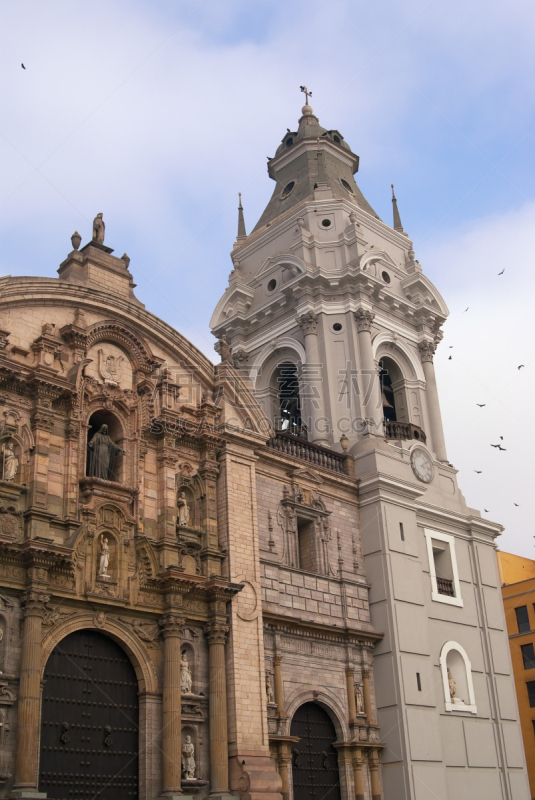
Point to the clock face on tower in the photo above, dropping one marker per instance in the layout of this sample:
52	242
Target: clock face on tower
422	465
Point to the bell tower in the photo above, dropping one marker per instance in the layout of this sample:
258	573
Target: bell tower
330	316
324	290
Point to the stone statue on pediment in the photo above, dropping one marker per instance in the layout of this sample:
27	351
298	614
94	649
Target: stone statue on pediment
10	462
188	759
99	229
183	510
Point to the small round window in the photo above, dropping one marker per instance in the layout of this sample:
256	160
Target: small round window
287	189
337	327
347	186
272	285
326	223
336	139
385	276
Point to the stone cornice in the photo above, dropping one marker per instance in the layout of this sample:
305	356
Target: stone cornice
275	623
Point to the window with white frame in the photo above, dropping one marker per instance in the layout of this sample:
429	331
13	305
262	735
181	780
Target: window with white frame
457	679
445	586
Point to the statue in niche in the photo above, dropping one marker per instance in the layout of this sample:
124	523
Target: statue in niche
359	699
104	557
102	455
185	675
183	510
188	759
10	462
99	229
269	688
453	688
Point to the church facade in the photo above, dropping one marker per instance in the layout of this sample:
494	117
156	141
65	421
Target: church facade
258	579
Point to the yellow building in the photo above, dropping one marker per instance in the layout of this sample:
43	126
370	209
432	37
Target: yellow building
517	576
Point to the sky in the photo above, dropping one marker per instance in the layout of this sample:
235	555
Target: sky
158	114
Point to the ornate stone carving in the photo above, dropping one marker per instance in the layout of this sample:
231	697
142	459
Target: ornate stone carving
10	522
216	632
270	691
110	368
147	632
359	698
364	319
222	347
171	624
34	604
308	322
427	350
56	615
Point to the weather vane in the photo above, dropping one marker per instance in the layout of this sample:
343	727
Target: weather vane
307	93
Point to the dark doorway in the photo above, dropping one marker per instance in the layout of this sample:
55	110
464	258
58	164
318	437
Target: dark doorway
315	760
89	724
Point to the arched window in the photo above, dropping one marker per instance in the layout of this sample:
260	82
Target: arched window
457	679
288	411
105	461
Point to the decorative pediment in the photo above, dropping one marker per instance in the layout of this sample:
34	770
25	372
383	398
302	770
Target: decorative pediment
420	291
305	473
128	340
290	264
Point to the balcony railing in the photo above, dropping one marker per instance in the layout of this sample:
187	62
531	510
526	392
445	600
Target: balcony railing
445	586
403	430
312	453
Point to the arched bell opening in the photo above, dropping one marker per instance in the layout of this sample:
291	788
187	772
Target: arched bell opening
285	381
314	759
89	720
105	457
390	374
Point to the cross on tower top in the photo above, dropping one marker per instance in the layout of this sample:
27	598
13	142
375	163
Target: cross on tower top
307	93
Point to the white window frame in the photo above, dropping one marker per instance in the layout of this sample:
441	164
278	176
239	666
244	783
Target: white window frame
435	595
470	707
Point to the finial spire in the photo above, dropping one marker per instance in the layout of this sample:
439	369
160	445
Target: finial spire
241	222
397	219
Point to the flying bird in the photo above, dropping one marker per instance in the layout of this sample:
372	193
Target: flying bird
521	365
466	309
499	447
23	67
481	405
452	346
501	437
516	504
450	358
479	471
501	273
486	509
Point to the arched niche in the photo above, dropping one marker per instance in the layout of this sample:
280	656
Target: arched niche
117	467
457	680
400	385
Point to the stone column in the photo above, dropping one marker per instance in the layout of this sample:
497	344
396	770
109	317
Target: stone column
171	624
368	708
29	705
284	758
351	704
313	380
373	760
277	680
358	777
369	378
427	350
216	633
